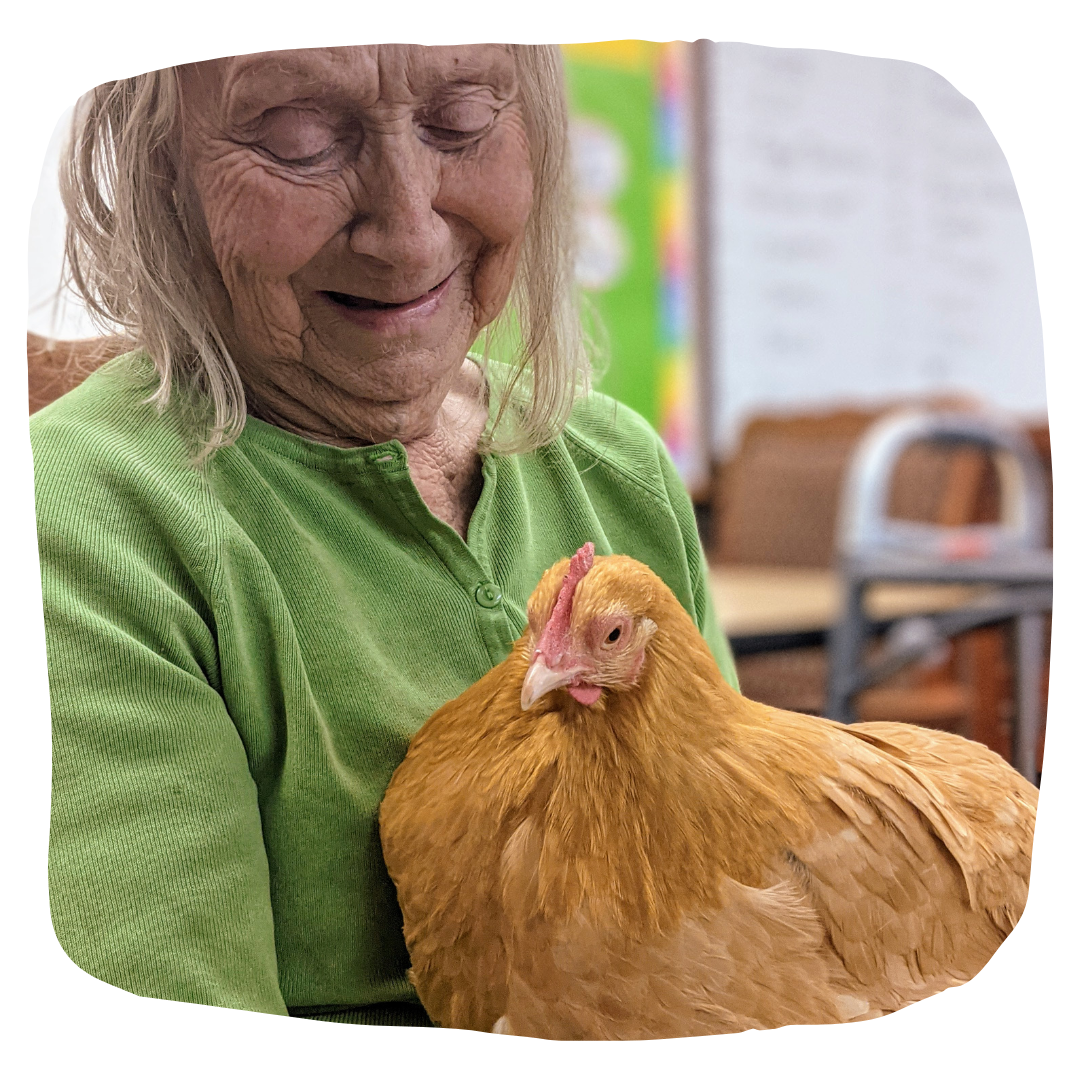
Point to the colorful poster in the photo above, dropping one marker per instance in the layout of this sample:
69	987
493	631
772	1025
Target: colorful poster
629	125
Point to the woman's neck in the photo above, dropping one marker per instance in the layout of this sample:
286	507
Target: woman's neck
443	459
445	465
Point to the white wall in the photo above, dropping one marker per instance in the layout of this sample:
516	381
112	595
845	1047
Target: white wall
51	313
871	242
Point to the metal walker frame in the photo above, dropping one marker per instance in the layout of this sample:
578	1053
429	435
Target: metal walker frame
1011	556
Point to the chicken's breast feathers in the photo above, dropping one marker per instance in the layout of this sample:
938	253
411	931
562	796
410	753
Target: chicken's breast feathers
760	961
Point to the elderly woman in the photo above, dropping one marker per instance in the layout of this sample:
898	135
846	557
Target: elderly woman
302	515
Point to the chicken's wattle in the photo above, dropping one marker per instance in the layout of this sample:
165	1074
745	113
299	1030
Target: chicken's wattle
586	693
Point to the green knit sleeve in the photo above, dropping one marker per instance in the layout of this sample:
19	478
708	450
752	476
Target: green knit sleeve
710	627
699	573
158	875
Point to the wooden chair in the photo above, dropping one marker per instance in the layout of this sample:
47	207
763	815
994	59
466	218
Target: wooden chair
55	367
775	504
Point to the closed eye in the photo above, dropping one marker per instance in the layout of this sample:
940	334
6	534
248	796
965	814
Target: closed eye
451	138
314	159
459	122
295	136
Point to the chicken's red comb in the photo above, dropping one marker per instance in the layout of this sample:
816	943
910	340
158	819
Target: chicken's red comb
558	625
580	565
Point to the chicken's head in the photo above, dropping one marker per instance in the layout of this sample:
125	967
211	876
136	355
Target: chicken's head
590	626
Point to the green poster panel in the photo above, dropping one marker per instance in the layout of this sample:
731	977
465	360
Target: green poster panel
612	91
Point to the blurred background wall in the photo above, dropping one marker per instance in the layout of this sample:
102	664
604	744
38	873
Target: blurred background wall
52	312
775	229
784	245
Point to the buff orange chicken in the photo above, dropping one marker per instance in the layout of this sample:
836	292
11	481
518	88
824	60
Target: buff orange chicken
601	839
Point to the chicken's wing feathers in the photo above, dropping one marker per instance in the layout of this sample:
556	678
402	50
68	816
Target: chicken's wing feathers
918	860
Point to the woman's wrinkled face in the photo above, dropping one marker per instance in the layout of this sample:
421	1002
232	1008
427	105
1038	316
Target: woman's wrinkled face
365	207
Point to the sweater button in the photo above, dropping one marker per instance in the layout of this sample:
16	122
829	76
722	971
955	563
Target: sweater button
385	458
488	595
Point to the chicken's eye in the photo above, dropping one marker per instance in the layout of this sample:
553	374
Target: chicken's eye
613	636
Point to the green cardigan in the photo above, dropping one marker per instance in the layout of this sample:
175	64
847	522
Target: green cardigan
238	655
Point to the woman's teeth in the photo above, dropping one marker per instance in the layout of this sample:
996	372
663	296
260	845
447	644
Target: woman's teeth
362	303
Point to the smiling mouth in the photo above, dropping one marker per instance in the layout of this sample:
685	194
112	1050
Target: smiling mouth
364	303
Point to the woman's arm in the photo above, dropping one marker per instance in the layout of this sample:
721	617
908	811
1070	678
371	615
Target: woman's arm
699	571
158	875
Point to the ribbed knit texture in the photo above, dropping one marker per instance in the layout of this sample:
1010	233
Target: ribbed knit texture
239	654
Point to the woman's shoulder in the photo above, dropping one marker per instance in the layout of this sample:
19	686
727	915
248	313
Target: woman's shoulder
603	430
109	424
107	459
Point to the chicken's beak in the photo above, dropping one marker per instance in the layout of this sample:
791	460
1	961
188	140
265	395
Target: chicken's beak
539	679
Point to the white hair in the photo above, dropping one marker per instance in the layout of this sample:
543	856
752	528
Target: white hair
133	254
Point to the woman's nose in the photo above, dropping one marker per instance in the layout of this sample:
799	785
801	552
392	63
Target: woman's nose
396	221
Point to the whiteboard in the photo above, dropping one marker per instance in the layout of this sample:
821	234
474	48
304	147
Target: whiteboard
867	243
